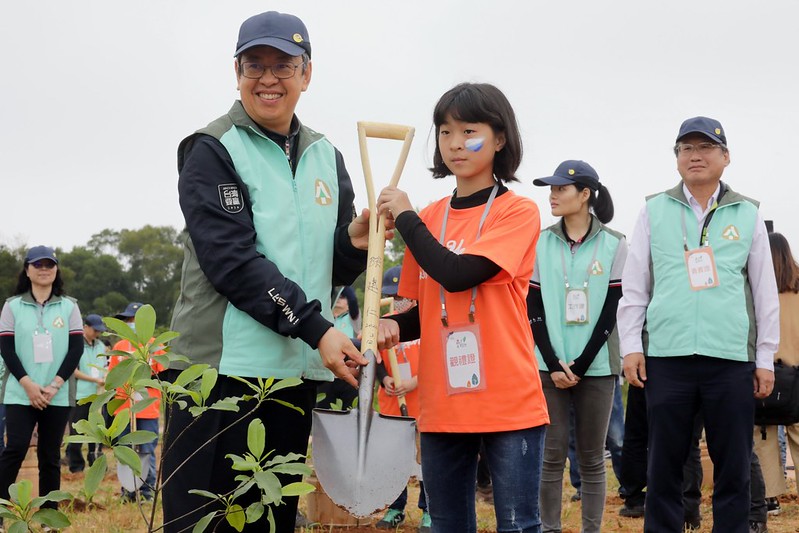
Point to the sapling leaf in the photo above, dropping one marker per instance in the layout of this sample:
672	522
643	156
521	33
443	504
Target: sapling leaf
52	518
137	437
190	374
127	456
290	406
270	487
284	384
256	438
235	517
145	323
120	328
254	512
208	382
205	493
165	337
203	523
94	476
298	489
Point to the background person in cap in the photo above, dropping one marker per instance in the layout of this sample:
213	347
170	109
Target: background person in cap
40	341
88	377
699	274
269	213
147	419
573	324
389	392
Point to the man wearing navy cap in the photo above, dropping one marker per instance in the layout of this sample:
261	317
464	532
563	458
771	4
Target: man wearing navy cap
700	301
268	205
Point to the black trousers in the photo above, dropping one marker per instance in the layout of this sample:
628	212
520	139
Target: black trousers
20	421
677	390
287	431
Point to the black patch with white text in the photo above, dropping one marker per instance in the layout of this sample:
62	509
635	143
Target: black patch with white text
230	198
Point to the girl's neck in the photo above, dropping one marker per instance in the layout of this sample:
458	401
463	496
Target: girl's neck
467	187
577	224
41	293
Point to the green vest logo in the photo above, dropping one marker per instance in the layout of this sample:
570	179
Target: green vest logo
322	193
730	233
58	322
596	268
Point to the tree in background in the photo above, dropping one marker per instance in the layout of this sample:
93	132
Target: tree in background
113	269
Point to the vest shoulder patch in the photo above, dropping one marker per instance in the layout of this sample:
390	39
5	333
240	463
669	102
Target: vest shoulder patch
322	193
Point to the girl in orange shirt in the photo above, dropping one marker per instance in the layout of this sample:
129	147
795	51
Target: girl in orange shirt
468	260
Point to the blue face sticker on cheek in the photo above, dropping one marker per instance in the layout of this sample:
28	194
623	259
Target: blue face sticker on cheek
474	144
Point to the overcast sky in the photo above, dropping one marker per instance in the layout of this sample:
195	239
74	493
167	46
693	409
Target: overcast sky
96	95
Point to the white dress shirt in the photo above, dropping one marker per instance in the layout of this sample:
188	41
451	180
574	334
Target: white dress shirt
637	286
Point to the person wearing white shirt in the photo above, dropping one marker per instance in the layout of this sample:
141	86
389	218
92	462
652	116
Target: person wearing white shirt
700	300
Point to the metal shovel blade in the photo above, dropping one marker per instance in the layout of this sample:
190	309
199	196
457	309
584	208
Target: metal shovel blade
363	459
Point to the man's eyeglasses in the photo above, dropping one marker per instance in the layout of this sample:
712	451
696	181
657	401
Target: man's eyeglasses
46	264
254	71
701	148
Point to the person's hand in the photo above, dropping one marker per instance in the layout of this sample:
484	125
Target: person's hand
635	369
388	384
406	386
36	393
392	202
564	379
388	333
333	347
764	383
358	230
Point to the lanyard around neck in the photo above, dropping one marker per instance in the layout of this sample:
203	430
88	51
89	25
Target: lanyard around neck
444	316
590	265
703	235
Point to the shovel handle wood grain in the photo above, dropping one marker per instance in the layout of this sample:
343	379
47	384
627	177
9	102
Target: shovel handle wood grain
377	231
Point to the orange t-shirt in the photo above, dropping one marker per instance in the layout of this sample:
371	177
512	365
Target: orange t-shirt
152	410
512	398
407	352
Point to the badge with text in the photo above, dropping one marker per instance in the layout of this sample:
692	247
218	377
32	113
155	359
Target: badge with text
42	348
230	198
404	371
463	358
701	266
576	306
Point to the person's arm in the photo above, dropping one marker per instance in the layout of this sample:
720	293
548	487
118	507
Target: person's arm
409	323
607	317
636	294
348	261
538	324
454	272
760	269
225	247
8	347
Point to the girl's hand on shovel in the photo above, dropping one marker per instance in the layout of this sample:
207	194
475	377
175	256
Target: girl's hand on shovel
388	334
393	202
333	347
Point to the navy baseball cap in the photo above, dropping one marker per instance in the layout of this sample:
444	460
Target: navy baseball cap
285	32
391	281
37	253
572	171
130	310
709	127
95	322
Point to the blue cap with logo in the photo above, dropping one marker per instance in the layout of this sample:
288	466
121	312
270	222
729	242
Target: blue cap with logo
709	127
95	322
285	32
391	279
37	253
572	171
130	310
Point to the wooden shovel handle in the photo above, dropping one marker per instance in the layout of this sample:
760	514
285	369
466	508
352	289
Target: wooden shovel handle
377	241
395	373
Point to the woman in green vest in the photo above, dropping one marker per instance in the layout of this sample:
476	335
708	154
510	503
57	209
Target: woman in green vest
574	292
41	340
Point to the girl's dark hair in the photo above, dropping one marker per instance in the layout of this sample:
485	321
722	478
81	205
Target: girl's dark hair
786	269
600	202
24	282
481	103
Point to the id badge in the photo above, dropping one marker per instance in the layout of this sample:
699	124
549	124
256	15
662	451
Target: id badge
463	360
576	306
404	371
42	348
701	267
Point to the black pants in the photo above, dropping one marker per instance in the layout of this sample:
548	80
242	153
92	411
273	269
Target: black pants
20	421
75	449
677	390
634	463
287	431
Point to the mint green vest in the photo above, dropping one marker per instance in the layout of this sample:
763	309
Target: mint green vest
90	363
27	321
568	341
295	219
719	321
